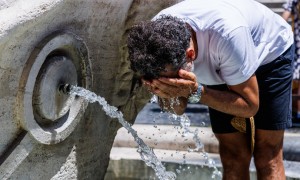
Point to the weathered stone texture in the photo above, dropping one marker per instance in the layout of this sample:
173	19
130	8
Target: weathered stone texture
102	25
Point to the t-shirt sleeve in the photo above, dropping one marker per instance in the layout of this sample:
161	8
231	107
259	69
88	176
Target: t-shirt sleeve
237	56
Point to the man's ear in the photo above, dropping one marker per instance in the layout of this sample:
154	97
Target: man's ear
190	53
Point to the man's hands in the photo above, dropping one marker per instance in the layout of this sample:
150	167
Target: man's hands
241	100
171	87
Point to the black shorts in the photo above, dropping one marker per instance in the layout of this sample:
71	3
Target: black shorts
275	97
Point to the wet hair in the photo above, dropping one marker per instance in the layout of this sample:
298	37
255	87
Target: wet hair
154	44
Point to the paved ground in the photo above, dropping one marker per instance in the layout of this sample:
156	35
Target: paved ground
126	164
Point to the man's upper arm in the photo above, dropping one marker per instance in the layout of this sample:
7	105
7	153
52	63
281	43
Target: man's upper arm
238	58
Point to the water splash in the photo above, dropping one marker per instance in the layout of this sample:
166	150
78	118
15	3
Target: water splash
185	123
145	152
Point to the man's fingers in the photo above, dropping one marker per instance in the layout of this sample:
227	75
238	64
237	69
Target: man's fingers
172	81
172	87
184	78
164	83
161	93
187	75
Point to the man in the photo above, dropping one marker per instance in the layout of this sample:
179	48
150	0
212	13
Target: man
242	54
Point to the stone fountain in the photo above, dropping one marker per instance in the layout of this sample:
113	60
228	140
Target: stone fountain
45	44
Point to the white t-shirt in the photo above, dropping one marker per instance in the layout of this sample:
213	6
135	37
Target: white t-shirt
234	37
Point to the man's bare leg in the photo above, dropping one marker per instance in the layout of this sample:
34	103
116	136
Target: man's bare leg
268	155
235	153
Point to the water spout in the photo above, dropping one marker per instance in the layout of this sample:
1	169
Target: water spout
65	88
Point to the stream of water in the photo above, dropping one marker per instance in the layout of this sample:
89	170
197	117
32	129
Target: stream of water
145	151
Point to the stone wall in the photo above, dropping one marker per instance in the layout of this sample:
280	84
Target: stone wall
80	148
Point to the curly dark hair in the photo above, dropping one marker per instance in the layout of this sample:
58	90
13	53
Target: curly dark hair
154	44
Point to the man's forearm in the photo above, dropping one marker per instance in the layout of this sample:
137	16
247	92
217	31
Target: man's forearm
228	102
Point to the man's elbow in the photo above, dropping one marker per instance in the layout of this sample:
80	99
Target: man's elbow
252	111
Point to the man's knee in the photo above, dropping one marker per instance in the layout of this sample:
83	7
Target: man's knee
235	162
268	151
269	162
235	156
267	156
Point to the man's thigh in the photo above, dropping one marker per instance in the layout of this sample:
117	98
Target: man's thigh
268	154
234	145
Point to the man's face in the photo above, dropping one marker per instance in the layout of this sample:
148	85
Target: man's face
172	72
